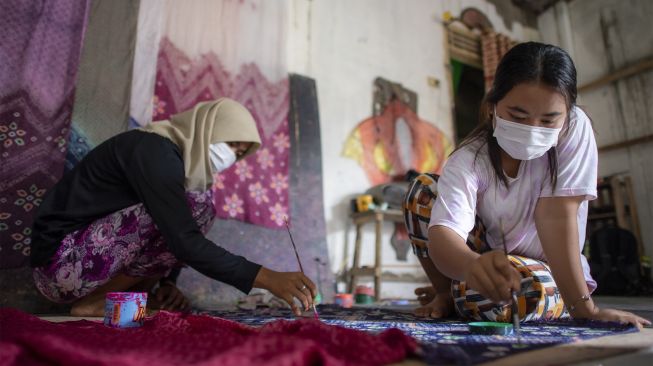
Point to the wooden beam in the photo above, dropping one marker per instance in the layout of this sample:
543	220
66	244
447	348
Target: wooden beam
624	72
627	143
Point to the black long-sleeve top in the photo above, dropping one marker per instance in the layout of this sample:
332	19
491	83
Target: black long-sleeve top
131	168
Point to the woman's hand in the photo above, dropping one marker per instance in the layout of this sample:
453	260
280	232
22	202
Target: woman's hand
288	286
492	275
618	316
171	298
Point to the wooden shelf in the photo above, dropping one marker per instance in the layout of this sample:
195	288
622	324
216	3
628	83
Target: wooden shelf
373	215
359	219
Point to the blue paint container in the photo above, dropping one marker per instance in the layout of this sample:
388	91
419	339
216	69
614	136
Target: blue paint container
125	309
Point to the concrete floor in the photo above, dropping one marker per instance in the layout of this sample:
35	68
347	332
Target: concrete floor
642	306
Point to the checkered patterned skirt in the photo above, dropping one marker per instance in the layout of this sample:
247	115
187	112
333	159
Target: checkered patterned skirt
539	297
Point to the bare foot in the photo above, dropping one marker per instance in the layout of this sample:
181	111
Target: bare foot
88	307
440	307
425	294
93	303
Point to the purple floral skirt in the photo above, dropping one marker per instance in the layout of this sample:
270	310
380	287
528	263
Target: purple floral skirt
124	242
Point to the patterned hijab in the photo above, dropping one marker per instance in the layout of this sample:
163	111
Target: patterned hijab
223	120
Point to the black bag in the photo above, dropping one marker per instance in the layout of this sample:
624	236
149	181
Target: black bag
614	261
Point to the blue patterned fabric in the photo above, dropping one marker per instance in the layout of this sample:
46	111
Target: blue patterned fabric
442	341
78	147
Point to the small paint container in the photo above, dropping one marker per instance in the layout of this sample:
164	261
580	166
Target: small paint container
364	290
344	300
125	309
364	299
364	295
490	328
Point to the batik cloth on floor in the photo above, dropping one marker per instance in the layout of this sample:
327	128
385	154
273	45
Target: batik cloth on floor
40	48
539	297
124	242
442	341
176	339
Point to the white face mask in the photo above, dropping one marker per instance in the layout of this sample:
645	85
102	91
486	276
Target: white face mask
222	157
524	142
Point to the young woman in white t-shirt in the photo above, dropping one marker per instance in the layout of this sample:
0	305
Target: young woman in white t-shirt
526	174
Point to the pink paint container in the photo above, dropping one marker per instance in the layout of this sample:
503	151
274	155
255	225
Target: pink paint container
125	309
344	300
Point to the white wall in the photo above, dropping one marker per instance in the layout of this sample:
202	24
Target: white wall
623	110
344	45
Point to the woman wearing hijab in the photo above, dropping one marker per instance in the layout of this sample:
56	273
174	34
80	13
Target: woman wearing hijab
136	209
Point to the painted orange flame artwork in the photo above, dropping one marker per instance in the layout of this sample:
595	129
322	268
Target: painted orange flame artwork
383	152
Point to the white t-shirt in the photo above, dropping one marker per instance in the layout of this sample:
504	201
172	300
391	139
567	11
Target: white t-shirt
468	186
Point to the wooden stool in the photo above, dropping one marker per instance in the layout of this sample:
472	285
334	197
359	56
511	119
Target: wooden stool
359	219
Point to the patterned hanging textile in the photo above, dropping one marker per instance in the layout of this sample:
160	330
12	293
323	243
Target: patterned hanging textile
208	49
40	52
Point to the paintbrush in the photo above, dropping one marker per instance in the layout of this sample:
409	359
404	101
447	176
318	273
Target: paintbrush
301	268
515	304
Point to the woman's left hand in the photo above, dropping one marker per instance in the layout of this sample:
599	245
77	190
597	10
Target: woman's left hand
623	317
171	298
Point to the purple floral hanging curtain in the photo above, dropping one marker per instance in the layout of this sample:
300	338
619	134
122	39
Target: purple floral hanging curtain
39	57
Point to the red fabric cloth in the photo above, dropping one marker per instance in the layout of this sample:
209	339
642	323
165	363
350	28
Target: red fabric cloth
178	339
